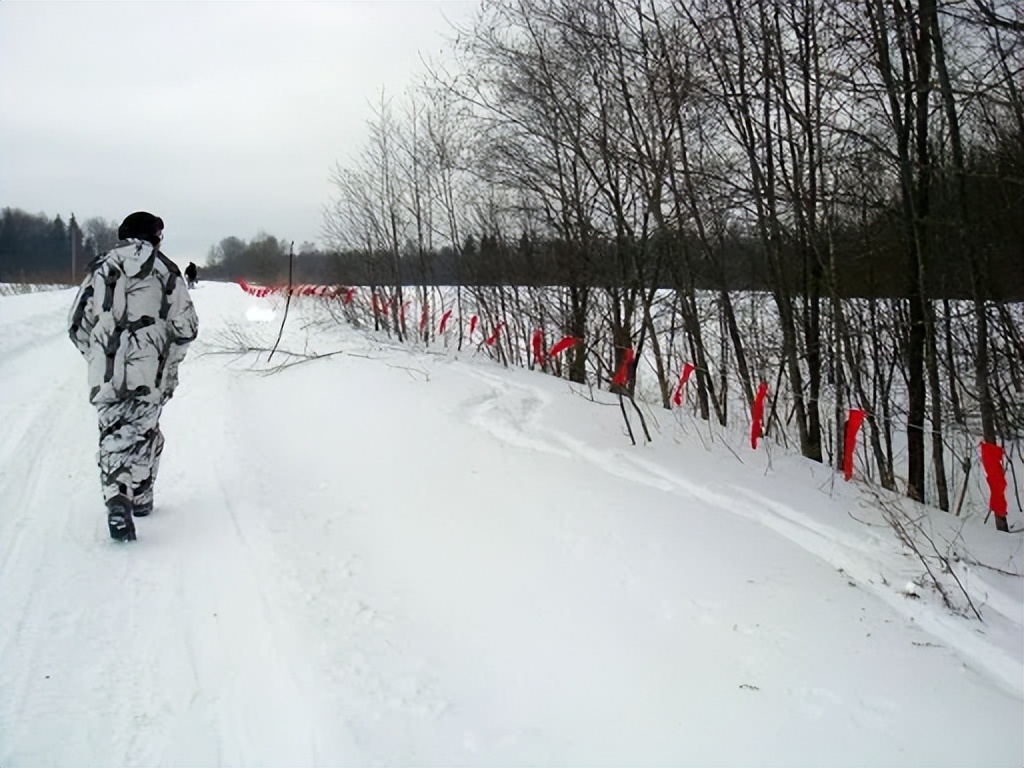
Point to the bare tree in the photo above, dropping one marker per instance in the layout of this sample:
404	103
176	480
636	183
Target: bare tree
102	232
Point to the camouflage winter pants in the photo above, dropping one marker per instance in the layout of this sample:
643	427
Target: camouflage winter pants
130	448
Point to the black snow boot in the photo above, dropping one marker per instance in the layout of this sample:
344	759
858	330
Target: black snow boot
119	519
143	508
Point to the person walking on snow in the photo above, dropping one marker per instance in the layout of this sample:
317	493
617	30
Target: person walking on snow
192	274
132	320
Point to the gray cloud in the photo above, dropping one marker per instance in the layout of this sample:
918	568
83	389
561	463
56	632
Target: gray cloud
225	118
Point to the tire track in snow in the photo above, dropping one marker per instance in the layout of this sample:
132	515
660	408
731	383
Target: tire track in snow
30	458
42	319
241	654
50	515
167	651
74	655
381	694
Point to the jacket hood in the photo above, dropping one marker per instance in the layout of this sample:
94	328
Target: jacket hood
135	256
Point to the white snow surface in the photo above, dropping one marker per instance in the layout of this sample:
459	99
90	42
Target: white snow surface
404	556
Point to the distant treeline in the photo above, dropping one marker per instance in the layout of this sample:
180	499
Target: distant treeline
36	248
870	259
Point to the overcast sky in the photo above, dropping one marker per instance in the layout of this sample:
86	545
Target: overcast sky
224	118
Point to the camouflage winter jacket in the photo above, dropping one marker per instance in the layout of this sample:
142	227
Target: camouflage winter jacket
133	321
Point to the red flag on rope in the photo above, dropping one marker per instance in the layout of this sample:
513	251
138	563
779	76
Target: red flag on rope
677	396
853	422
562	345
538	346
758	414
622	375
992	461
444	321
494	336
472	324
244	285
349	295
424	315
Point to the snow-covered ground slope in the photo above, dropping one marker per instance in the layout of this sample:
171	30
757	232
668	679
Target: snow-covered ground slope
399	557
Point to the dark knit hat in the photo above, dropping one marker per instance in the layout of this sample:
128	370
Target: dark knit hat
141	225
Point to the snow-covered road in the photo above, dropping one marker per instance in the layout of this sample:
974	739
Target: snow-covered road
394	557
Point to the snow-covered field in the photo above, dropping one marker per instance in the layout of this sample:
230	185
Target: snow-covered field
399	557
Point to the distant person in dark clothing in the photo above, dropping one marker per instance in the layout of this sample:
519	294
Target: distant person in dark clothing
192	274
